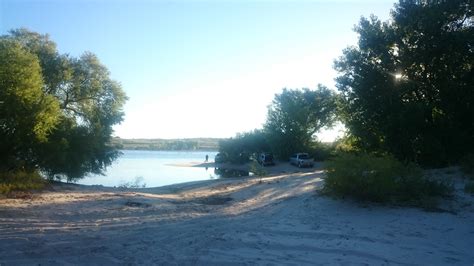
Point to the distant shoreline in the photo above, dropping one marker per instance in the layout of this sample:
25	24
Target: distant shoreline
192	144
138	149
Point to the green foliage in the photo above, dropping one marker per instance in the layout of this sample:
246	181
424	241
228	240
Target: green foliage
406	88
257	169
20	180
27	114
322	151
295	116
73	151
62	109
381	179
293	119
243	146
348	143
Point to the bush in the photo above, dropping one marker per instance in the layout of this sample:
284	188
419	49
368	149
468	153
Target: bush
380	179
322	151
139	182
257	169
20	180
346	144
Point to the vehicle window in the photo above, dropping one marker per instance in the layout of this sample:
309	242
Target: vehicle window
304	156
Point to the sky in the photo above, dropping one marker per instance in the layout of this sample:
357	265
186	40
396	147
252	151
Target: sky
201	68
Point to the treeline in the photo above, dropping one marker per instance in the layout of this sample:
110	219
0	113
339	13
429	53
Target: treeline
406	89
293	119
405	94
192	144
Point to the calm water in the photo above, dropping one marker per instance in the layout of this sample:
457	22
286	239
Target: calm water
153	169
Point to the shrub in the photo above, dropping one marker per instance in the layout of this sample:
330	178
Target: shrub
20	180
347	143
380	179
139	182
322	151
257	169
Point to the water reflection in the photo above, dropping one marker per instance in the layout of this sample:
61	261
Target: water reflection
159	168
226	173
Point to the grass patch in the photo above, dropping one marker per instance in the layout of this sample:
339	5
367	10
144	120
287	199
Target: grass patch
20	181
382	179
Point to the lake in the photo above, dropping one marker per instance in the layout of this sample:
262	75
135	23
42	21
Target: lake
154	169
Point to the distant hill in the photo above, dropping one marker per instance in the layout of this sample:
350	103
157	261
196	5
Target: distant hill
208	144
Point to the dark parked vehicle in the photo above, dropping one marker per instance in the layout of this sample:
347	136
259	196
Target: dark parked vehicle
265	159
301	160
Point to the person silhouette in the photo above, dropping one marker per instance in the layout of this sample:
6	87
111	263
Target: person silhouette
207	158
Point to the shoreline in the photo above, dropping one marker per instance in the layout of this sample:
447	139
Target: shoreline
241	167
279	169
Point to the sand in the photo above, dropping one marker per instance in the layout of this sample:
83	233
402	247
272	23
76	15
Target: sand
277	220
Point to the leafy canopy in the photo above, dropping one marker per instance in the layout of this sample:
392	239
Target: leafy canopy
82	101
295	116
27	114
292	121
407	87
240	148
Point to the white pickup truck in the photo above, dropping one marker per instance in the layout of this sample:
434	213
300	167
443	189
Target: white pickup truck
301	160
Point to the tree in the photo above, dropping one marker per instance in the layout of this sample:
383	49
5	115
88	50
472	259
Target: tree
295	116
27	114
240	148
90	104
407	87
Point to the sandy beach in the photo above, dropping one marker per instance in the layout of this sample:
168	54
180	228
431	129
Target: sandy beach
276	220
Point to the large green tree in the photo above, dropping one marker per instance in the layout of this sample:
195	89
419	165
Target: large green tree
408	86
240	148
295	116
89	101
27	114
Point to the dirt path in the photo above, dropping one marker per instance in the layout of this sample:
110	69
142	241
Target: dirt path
273	220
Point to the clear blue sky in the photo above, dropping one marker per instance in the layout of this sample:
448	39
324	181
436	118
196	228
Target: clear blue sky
200	68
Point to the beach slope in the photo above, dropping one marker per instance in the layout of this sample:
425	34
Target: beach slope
279	219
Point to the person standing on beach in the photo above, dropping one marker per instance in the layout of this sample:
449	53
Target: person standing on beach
207	158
